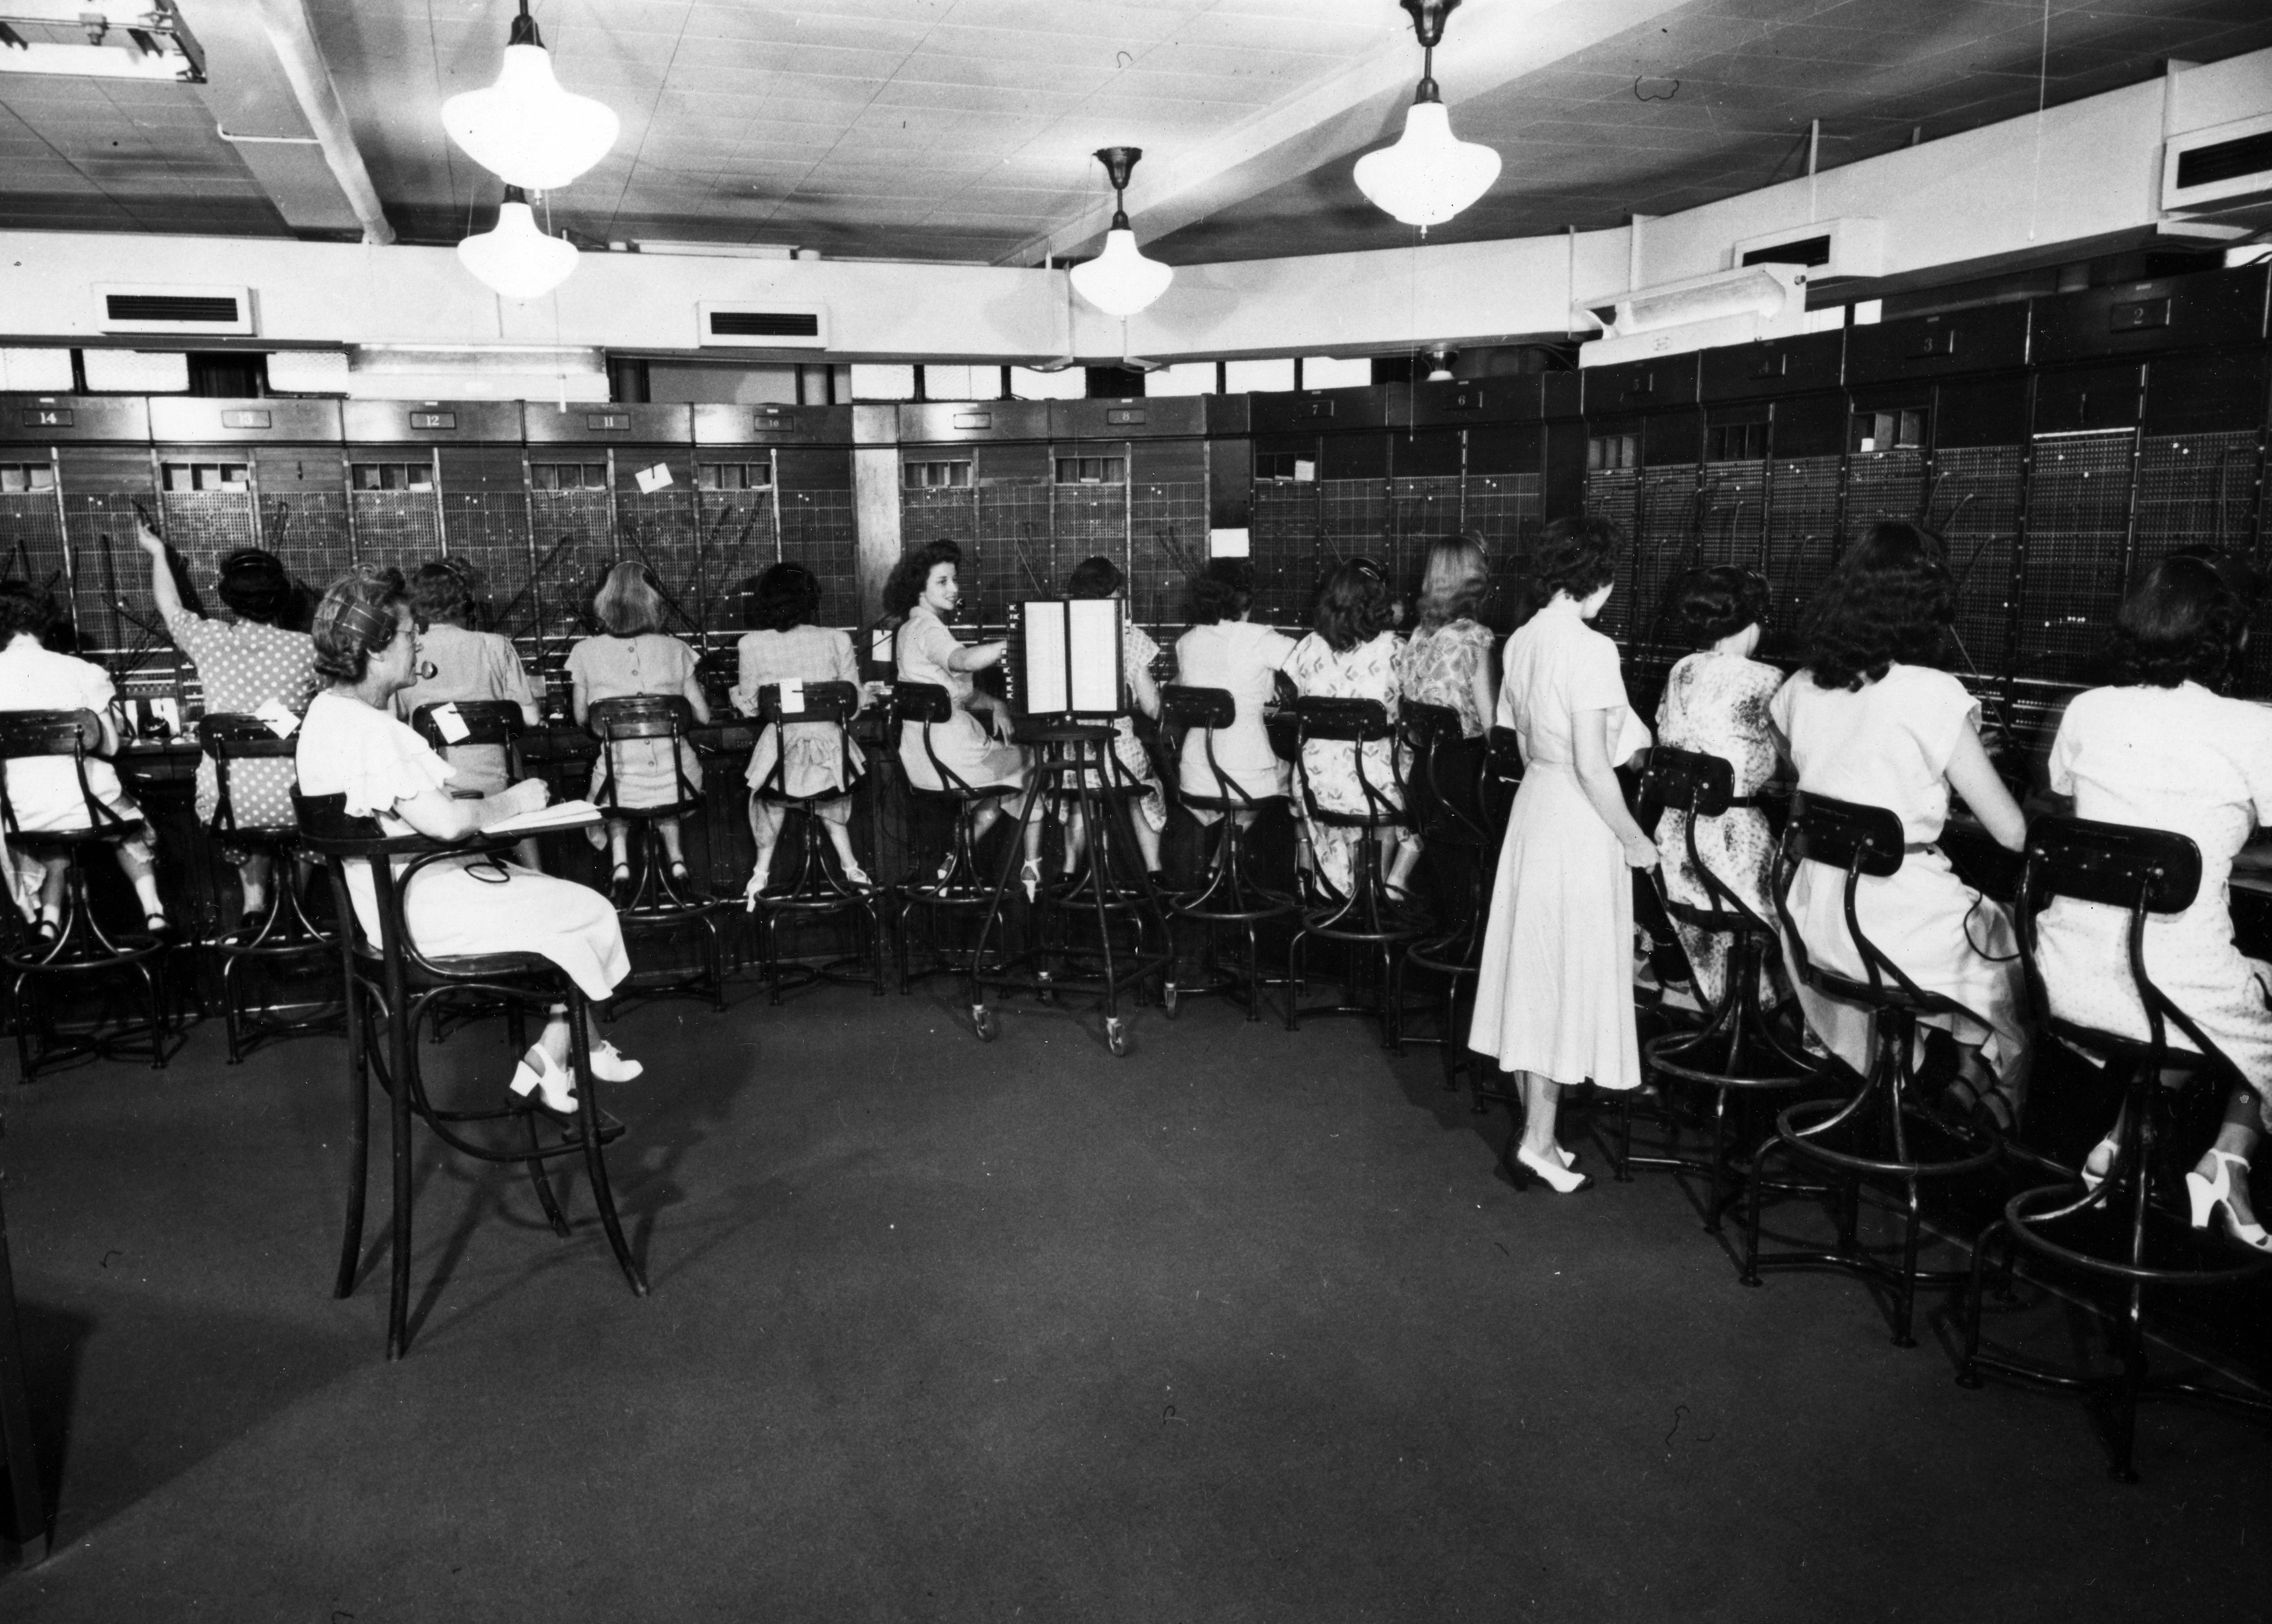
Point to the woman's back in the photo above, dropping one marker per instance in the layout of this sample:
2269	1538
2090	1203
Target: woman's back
1557	667
615	666
802	654
1437	667
1888	744
1717	703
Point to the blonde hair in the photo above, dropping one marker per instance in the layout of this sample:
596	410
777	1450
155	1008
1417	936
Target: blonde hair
1455	583
629	601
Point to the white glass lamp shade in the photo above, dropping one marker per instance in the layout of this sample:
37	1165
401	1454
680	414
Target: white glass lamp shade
1430	174
1120	281
525	129
516	260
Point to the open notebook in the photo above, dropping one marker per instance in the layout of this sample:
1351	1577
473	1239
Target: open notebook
559	815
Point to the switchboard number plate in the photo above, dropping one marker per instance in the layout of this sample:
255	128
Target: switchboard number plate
974	420
2139	315
604	422
244	420
1939	342
1320	408
433	420
776	420
48	418
1125	414
1467	400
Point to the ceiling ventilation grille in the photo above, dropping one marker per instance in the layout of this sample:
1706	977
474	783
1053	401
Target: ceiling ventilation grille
2221	168
764	326
143	308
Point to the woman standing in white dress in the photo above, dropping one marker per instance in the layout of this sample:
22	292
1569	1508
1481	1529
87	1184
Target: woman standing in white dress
2161	750
1554	994
351	744
1869	721
924	587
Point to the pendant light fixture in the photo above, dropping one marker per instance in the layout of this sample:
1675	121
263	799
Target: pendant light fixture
513	257
525	129
1430	174
1120	280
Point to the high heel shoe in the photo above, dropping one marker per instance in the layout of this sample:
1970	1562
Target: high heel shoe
1568	1158
857	876
539	1074
619	885
2099	1163
1029	876
2209	1195
1558	1178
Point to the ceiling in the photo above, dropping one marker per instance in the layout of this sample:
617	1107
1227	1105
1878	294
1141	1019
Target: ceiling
963	129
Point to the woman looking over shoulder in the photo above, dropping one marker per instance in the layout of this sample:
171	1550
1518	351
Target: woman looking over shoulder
633	657
784	646
1869	720
925	585
1352	656
1716	702
1224	649
255	658
352	745
1554	994
2162	749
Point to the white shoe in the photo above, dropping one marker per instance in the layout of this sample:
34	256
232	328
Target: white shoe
610	1064
541	1074
2209	1195
855	875
1558	1178
2099	1163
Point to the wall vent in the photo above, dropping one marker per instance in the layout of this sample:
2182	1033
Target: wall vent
763	326
141	308
1853	246
2222	167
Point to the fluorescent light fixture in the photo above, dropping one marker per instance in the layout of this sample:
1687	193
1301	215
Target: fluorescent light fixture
83	40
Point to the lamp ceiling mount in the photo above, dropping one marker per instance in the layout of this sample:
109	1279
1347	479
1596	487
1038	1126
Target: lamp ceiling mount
1428	17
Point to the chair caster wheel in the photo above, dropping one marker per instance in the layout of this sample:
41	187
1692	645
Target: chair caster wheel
981	1021
1115	1035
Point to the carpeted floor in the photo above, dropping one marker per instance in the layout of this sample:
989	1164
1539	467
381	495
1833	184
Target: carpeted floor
1246	1326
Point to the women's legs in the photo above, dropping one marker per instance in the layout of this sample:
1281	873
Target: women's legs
134	860
254	870
619	844
840	837
1405	849
1542	1098
672	849
766	821
2239	1134
1147	842
51	888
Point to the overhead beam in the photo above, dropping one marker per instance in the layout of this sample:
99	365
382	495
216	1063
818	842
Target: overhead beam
1487	44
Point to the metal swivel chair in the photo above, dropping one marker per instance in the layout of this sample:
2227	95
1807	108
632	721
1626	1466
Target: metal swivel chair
2124	1229
500	723
1446	807
1228	896
1739	1049
657	904
813	890
1868	1136
953	886
81	953
1374	930
393	985
283	936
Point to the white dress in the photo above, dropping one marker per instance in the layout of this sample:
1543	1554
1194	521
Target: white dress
452	907
1243	660
1889	745
965	745
1554	994
43	792
2184	760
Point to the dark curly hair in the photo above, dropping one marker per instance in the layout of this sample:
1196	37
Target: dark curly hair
903	590
357	619
255	585
442	590
1094	577
2183	622
1577	556
1890	599
24	608
785	597
1719	602
1353	605
1223	591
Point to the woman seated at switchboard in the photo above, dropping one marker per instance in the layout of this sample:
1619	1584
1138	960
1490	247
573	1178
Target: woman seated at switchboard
1351	654
464	665
923	589
2162	748
1716	702
43	792
1870	720
634	657
1447	659
351	744
245	663
1100	578
1225	649
783	646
